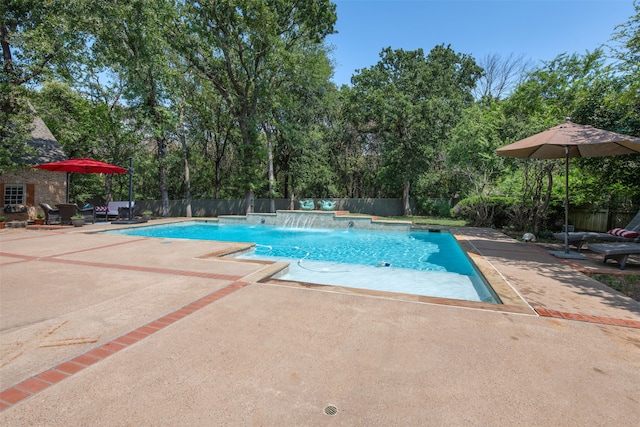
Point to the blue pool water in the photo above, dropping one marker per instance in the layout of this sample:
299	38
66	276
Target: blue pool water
423	263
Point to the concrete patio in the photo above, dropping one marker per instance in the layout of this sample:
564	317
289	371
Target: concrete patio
103	329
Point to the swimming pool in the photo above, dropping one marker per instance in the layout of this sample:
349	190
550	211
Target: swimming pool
416	262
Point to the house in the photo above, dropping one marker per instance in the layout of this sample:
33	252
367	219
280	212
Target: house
25	188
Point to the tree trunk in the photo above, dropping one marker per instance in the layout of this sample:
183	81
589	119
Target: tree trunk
248	160
272	178
248	200
217	159
405	199
151	102
187	183
218	183
537	224
288	190
162	176
185	158
108	188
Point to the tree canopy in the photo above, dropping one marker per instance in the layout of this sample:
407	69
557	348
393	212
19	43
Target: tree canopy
234	99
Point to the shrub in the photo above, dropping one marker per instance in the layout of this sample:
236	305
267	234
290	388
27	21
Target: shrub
434	207
484	211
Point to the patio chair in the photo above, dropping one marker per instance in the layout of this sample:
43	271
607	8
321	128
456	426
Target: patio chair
617	251
88	212
67	210
101	213
51	215
630	233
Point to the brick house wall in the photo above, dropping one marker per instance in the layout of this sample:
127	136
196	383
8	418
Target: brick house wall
41	187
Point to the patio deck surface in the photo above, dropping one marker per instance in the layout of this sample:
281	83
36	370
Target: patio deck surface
102	329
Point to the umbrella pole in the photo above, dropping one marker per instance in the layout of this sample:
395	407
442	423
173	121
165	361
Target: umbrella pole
130	187
67	195
566	200
566	253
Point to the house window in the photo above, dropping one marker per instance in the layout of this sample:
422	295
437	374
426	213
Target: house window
14	194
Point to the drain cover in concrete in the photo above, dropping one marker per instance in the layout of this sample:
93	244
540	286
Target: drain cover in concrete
330	410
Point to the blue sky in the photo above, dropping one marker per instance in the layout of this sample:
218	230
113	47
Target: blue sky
539	30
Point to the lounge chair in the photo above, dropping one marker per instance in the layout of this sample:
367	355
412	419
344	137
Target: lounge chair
51	215
114	210
579	238
616	251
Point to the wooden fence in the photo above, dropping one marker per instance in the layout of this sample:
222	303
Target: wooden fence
600	220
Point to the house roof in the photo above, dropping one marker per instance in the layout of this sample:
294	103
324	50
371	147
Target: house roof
46	148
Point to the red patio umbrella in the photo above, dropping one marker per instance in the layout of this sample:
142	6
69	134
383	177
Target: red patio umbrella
84	165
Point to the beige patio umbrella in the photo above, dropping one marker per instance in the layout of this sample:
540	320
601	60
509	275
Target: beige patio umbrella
571	140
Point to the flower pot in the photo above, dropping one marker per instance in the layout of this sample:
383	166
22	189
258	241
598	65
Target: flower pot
77	222
38	221
146	217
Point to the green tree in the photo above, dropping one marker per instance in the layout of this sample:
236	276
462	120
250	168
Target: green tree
356	147
214	133
470	154
239	47
626	42
129	42
294	124
70	117
411	102
612	101
38	39
88	126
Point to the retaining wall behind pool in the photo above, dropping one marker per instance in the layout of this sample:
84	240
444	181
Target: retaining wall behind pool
317	219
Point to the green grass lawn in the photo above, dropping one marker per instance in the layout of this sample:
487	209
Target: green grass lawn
627	284
427	220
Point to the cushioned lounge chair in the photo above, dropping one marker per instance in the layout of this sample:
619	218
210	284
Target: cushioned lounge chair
51	215
579	238
114	210
617	251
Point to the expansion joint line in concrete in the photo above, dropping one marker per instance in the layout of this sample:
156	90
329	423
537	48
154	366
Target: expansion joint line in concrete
46	379
169	271
586	318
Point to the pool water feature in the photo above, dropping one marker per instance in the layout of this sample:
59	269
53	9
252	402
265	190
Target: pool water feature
416	262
